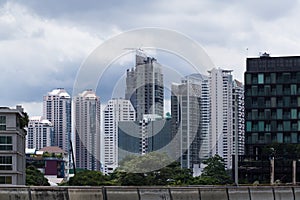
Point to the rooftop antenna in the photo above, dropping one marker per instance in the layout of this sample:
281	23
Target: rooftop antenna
139	51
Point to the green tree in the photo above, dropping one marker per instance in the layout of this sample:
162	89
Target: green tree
88	178
35	177
145	163
24	120
154	169
214	173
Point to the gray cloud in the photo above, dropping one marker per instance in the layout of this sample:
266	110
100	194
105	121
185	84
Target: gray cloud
43	43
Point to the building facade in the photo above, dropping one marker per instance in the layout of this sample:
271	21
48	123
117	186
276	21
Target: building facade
39	133
87	113
116	110
272	116
57	109
221	141
144	86
141	137
190	119
12	146
238	117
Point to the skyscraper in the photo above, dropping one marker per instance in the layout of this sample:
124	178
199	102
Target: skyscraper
87	113
39	134
144	86
221	141
186	118
57	109
116	110
238	117
272	115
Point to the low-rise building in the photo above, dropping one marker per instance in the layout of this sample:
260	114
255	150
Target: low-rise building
12	146
52	161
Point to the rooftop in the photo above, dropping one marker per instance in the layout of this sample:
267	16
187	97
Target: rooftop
53	149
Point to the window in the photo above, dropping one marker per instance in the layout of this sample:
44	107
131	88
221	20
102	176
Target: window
293	113
254	90
268	127
261	101
294	126
254	114
287	138
294	137
279	89
267	137
267	78
273	77
286	77
6	143
279	113
5	162
260	78
273	102
261	126
286	101
2	123
254	138
279	127
293	89
273	126
267	90
248	78
286	125
5	180
254	79
279	137
268	114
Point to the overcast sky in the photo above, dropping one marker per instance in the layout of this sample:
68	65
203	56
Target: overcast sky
43	43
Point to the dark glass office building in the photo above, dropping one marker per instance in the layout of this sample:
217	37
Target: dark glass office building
272	118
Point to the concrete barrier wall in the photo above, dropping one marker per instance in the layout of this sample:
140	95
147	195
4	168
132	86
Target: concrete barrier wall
124	193
48	193
213	193
265	193
154	194
14	193
239	193
188	194
150	193
282	193
296	192
85	193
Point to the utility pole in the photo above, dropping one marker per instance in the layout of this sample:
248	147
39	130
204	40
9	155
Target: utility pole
294	172
272	170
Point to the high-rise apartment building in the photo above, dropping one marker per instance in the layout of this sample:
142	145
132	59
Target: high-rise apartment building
144	86
238	117
116	110
190	119
205	113
272	115
221	133
57	109
12	146
87	113
39	133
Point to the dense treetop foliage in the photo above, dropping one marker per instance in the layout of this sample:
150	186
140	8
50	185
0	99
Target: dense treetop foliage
171	174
